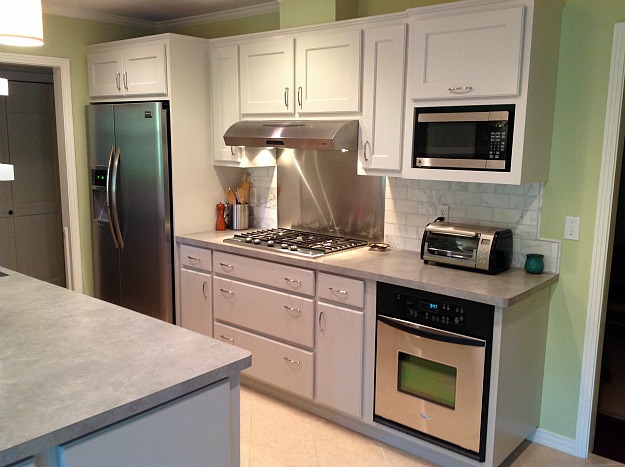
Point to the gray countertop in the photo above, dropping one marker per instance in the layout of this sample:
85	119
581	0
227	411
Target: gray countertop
71	364
398	267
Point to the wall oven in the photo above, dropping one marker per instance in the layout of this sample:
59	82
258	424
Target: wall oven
432	370
467	137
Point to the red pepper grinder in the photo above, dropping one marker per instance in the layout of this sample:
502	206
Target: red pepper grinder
221	221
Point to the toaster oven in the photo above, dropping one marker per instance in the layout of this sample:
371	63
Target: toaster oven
480	248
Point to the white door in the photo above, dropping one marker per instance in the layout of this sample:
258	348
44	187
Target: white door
327	72
105	73
145	69
266	72
195	301
31	206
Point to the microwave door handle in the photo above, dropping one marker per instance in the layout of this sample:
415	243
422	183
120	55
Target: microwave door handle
431	333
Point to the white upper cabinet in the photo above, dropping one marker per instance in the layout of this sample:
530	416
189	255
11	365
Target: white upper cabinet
267	77
128	70
225	100
327	72
468	55
311	73
383	98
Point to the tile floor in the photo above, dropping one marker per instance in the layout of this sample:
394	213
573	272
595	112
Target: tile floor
275	434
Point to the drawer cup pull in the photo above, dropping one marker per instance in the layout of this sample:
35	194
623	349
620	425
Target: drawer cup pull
332	289
290	360
226	338
229	292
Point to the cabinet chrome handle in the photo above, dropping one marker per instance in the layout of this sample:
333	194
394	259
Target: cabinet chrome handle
332	289
290	360
286	97
290	308
204	289
232	150
461	89
118	81
367	143
295	281
229	292
226	338
299	96
225	265
193	258
126	80
320	325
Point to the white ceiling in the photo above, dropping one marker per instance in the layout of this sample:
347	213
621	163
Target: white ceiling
153	11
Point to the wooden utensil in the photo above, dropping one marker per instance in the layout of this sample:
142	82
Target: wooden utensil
241	195
245	187
230	196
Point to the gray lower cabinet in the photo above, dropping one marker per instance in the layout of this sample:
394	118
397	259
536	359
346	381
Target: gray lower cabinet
191	431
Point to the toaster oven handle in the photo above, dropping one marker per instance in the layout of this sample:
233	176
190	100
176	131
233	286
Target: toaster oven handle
444	231
431	333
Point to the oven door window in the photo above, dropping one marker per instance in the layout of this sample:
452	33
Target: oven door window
427	380
456	140
452	246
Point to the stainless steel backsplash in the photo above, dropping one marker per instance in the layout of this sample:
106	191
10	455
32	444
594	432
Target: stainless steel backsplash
320	191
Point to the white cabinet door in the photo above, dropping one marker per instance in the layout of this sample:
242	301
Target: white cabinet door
383	97
128	70
266	72
327	72
145	69
195	301
467	55
105	70
225	100
339	358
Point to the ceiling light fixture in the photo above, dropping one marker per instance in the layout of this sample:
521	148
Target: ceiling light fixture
21	23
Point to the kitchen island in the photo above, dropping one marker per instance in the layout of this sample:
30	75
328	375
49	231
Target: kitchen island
83	379
312	325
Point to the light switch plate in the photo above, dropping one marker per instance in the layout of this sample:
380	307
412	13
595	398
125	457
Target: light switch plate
571	228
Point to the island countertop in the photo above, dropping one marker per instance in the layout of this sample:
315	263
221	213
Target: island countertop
399	267
71	364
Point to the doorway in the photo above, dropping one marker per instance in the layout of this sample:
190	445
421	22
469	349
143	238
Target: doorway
30	206
610	422
66	158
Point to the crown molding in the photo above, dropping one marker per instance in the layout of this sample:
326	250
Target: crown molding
269	7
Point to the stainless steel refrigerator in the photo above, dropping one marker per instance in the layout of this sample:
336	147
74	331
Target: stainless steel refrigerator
130	193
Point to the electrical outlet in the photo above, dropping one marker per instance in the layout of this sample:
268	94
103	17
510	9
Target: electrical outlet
571	228
442	211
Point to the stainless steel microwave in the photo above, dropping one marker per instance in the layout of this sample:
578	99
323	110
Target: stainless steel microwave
466	137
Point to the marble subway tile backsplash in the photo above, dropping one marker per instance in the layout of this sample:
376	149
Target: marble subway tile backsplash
411	204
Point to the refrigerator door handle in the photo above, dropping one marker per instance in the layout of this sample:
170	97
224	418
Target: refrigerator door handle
115	217
108	197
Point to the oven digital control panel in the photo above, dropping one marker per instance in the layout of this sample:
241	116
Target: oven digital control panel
434	310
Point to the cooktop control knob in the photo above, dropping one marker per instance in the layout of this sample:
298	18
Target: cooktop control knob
257	241
269	242
293	248
284	245
248	239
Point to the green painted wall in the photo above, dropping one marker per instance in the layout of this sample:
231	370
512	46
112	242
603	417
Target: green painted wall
585	54
67	38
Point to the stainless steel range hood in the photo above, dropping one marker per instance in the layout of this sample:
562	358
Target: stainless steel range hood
295	134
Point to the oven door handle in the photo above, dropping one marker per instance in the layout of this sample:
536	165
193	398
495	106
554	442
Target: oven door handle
431	333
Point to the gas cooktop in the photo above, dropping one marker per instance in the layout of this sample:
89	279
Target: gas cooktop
299	242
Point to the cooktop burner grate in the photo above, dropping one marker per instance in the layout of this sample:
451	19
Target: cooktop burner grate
298	242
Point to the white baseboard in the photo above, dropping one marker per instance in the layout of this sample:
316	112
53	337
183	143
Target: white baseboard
553	441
